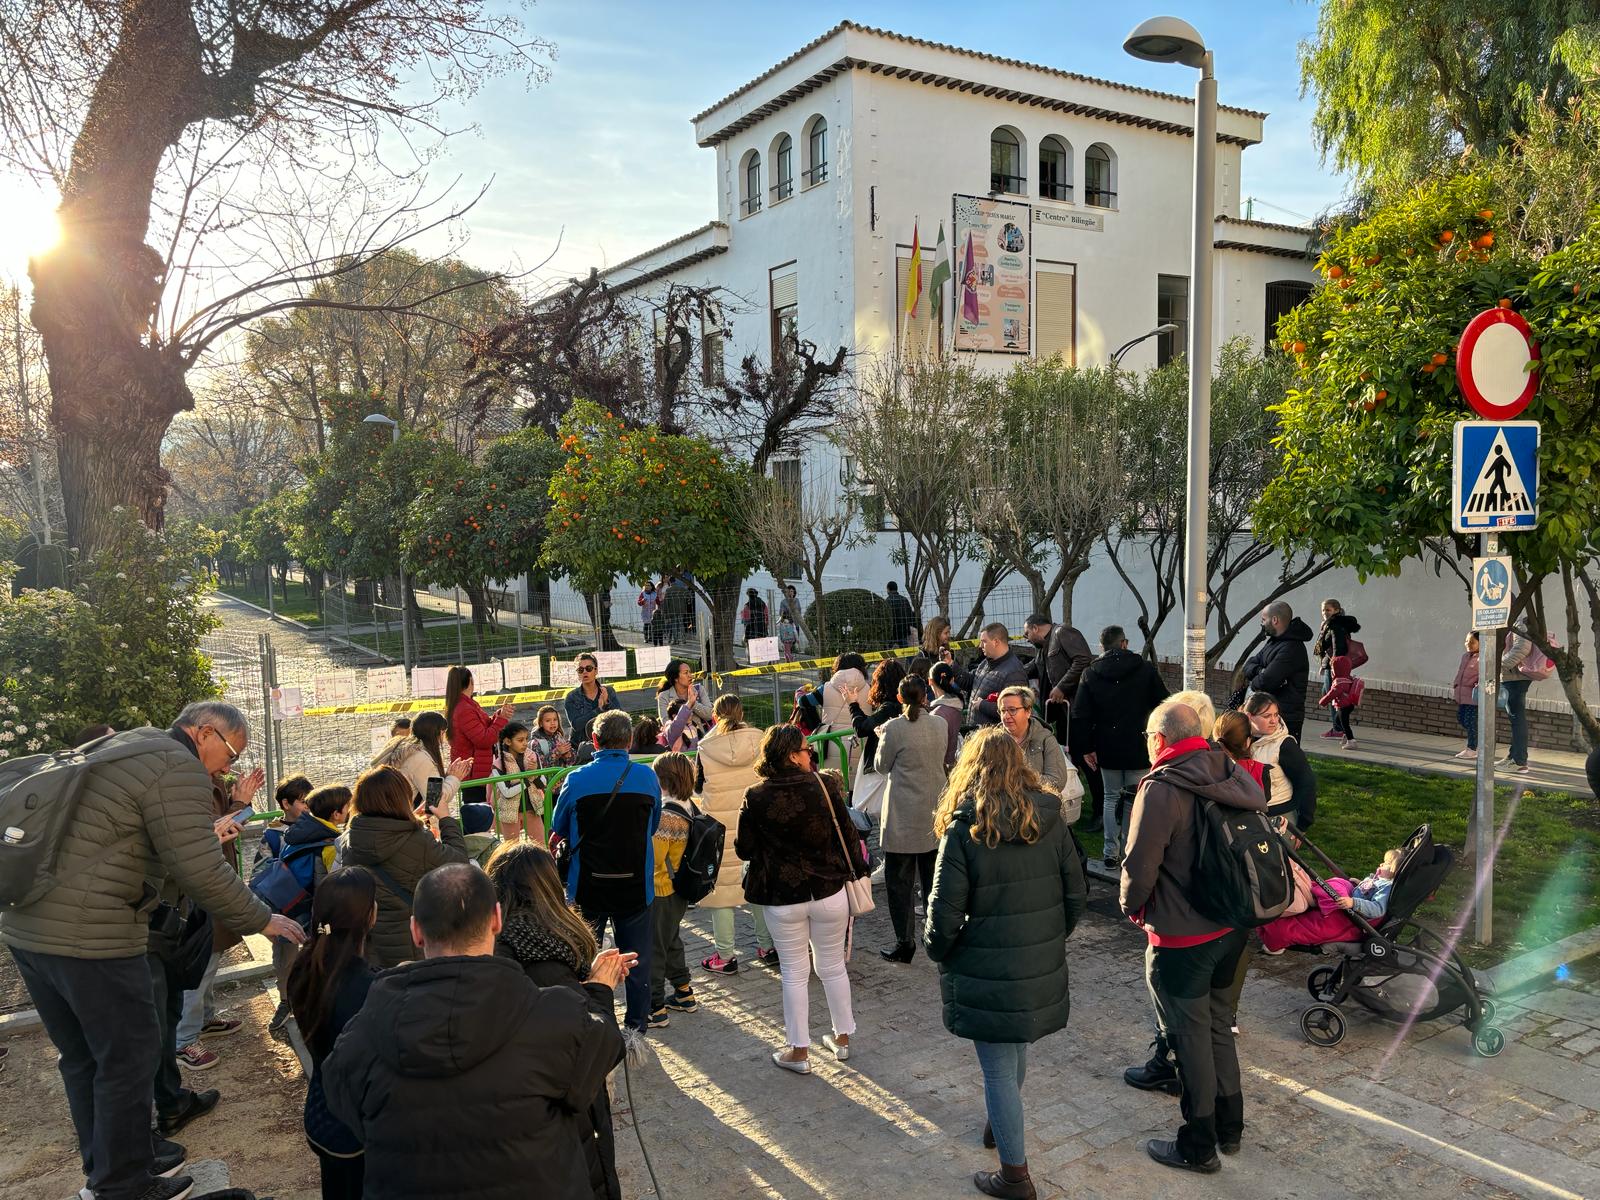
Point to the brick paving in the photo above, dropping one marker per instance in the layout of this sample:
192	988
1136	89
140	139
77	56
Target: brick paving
1377	1114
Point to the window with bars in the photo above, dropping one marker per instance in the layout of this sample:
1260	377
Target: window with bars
1099	177
750	204
784	293
1055	169
816	153
1283	297
783	169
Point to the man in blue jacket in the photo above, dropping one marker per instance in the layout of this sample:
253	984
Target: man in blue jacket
607	813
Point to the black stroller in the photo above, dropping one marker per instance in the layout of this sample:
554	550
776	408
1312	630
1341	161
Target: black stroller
1401	970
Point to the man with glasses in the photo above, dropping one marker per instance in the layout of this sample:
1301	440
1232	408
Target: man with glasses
1190	960
588	700
143	811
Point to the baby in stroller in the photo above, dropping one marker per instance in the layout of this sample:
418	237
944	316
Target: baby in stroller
1315	917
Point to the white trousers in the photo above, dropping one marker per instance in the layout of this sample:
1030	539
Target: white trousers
822	924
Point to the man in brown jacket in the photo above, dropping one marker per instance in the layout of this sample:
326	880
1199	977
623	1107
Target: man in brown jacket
80	948
1190	960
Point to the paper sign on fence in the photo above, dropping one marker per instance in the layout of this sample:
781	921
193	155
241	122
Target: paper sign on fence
287	703
762	650
613	663
524	673
652	660
336	687
386	683
563	673
486	678
428	681
380	739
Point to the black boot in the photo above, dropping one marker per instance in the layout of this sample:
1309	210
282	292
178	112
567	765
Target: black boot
901	952
1009	1182
1160	1074
1168	1154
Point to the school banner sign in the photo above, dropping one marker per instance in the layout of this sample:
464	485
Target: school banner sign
994	275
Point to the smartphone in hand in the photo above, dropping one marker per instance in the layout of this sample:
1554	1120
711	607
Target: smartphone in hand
434	795
243	815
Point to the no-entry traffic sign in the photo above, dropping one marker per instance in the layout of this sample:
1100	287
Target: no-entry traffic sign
1492	364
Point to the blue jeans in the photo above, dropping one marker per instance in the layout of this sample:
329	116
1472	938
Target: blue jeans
631	931
1467	718
1004	1066
1515	699
1115	779
199	1006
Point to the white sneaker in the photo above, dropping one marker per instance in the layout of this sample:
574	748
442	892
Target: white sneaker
1470	755
1349	744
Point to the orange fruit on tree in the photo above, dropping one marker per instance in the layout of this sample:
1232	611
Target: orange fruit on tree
1486	214
1487	240
1299	347
1383	394
1334	271
1373	260
1439	360
1448	236
1369	406
1428	368
1505	302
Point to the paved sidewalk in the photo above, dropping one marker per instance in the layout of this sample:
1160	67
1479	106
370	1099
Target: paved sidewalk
1377	1115
1553	770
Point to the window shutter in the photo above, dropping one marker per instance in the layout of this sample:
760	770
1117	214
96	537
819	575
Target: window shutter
917	341
785	291
1054	315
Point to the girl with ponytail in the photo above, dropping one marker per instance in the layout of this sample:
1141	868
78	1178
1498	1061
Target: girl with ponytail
327	986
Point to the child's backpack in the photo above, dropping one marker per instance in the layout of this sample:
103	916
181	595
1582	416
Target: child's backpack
1352	697
1538	665
807	714
696	873
284	883
1241	866
39	797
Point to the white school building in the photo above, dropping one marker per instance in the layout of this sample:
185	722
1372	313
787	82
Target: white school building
1076	193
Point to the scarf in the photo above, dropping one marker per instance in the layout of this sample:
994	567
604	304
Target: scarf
531	942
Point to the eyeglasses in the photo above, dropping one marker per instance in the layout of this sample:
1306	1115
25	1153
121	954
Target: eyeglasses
1013	708
232	753
583	670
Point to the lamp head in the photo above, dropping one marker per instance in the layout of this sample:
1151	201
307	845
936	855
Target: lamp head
1165	327
1167	39
377	419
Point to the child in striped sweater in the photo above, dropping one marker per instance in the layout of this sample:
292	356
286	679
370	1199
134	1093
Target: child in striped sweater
676	774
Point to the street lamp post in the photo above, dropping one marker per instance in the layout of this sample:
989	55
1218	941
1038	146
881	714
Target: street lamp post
405	584
1116	355
1167	39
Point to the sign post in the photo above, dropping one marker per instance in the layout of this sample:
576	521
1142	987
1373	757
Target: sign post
1495	489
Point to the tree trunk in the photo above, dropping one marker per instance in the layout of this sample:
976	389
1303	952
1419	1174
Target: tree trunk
478	598
722	598
113	391
601	617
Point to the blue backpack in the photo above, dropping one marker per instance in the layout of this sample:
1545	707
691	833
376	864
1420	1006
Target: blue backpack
284	883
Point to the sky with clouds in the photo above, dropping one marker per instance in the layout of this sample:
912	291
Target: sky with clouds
599	163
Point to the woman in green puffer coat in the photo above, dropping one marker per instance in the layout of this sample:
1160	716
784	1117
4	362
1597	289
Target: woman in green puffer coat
1008	889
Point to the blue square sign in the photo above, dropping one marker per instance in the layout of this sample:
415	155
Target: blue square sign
1495	483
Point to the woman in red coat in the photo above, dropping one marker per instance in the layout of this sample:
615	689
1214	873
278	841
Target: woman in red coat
471	730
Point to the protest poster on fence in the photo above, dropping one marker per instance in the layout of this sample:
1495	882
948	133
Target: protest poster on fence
386	683
563	673
523	673
486	678
335	687
652	660
288	703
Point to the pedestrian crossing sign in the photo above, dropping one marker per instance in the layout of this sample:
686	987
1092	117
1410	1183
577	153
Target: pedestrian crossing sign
1496	477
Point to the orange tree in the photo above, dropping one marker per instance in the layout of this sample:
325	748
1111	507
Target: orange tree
1367	426
636	502
478	522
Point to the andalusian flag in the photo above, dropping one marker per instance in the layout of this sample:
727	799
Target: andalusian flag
940	274
914	274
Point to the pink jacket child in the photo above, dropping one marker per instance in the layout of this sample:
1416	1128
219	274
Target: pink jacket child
1346	690
1328	920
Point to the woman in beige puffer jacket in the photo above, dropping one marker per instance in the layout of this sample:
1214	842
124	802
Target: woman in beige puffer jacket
726	766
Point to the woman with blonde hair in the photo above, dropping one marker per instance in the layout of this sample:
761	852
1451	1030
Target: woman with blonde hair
1008	890
936	638
398	845
726	766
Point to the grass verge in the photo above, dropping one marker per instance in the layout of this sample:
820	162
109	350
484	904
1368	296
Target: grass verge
297	607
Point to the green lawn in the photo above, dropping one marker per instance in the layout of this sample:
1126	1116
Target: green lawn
1547	876
299	606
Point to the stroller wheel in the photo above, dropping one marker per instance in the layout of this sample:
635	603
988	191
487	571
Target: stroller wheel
1487	1009
1323	1025
1320	983
1488	1041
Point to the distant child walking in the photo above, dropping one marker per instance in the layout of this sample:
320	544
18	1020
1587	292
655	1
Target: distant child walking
676	774
1344	695
788	637
1466	692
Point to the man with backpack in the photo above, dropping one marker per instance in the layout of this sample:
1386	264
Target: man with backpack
92	832
607	817
1191	957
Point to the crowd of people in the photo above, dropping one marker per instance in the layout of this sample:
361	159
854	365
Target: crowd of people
438	939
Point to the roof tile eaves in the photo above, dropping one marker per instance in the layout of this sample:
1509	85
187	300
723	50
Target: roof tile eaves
994	58
667	245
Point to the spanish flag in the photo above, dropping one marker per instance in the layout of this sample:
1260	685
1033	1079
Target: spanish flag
914	275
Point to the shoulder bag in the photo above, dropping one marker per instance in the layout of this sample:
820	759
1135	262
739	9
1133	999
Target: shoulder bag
857	888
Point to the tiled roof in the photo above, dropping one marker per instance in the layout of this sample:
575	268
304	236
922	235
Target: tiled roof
843	26
1305	229
654	250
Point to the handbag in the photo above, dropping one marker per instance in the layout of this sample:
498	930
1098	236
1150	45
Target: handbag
866	795
857	888
1072	797
1356	653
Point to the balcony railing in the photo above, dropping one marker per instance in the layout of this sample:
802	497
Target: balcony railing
751	205
1056	191
782	190
815	175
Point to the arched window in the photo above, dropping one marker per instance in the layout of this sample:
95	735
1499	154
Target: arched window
1005	162
816	153
1099	177
782	168
1055	169
750	186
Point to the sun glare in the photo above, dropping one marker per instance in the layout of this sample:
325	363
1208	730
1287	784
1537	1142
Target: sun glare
28	226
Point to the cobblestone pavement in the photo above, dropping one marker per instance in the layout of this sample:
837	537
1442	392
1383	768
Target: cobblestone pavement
1377	1115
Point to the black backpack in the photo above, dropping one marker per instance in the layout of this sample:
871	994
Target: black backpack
696	873
1241	866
